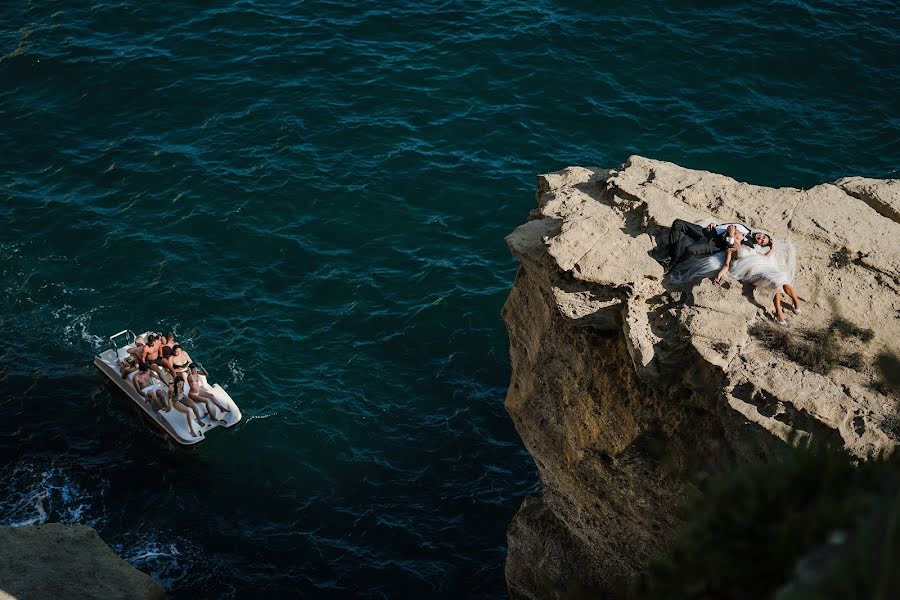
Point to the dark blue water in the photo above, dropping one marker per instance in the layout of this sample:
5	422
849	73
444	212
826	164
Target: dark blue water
314	195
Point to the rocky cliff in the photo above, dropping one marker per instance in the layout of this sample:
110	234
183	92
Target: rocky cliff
629	391
67	561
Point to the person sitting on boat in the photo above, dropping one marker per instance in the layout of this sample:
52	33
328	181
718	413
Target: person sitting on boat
149	391
177	364
151	357
168	343
130	363
183	404
199	395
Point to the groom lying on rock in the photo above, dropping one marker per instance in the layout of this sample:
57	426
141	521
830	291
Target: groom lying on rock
687	239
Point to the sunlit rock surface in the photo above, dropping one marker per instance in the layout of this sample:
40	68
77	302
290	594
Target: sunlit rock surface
628	391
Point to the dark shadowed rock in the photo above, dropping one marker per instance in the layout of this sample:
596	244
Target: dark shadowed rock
58	561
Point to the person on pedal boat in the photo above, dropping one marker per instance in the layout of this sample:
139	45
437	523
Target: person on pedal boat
178	362
179	400
168	343
149	391
130	363
151	355
198	395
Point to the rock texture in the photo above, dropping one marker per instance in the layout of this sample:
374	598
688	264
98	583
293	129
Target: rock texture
883	196
67	561
628	391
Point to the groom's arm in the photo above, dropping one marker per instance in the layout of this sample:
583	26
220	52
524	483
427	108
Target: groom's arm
733	237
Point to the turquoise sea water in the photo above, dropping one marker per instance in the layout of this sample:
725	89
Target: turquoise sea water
314	196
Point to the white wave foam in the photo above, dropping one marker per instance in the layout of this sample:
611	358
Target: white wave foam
237	373
77	327
260	417
36	495
172	560
162	560
58	311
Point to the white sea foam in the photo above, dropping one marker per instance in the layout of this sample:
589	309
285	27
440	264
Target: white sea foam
167	558
237	373
7	248
77	328
56	313
248	419
161	559
36	494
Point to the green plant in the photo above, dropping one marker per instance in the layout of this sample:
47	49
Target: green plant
848	329
819	350
809	348
853	360
814	525
721	347
841	258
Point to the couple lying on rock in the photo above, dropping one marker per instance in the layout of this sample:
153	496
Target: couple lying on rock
731	250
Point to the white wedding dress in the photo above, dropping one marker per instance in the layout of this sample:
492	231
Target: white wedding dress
768	270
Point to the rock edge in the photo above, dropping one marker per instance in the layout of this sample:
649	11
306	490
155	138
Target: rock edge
67	561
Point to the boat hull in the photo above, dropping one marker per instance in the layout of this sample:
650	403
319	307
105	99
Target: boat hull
173	422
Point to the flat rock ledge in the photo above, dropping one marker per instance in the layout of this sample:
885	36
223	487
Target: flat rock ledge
67	561
629	392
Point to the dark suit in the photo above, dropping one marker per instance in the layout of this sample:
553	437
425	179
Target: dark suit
688	239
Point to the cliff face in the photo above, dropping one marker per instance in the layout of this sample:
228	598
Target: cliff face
628	391
67	561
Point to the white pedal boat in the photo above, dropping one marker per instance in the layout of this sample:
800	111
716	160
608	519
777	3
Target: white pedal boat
172	422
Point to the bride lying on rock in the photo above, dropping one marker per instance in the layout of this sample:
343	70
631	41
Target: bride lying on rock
767	265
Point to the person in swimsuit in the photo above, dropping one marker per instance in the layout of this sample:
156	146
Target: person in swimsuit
149	391
183	404
178	362
198	395
151	355
130	363
168	342
165	356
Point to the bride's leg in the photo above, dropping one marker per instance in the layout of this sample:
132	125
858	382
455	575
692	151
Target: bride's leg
790	292
779	315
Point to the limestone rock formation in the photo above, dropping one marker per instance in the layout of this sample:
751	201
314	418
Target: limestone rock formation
67	561
628	391
883	196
